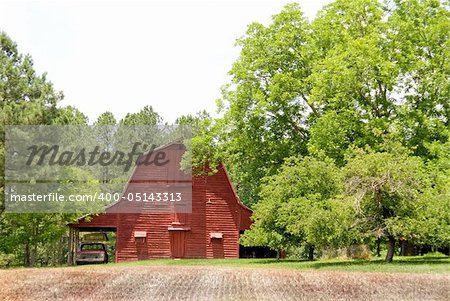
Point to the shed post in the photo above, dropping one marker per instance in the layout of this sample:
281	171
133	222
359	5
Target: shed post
70	242
73	245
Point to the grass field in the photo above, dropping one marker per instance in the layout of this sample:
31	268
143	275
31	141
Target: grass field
411	264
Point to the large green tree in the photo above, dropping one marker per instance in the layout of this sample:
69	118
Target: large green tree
266	105
386	187
363	72
360	70
419	38
430	223
299	205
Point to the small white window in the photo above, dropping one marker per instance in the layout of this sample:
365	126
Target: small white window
216	235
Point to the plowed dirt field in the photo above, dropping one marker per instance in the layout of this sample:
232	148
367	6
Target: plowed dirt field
216	283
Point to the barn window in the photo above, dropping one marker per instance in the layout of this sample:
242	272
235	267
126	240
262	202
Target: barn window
140	235
217	235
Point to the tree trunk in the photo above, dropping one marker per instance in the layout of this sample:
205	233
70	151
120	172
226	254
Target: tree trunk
61	251
391	248
378	247
33	255
26	261
402	247
33	251
311	252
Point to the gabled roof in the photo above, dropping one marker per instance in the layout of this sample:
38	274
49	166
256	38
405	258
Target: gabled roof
177	141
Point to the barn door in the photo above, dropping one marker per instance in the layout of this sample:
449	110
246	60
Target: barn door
217	248
177	243
140	239
141	248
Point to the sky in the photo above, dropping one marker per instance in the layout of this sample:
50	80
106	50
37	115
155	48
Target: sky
119	56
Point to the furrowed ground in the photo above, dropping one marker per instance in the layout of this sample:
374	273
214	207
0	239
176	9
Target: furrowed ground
231	280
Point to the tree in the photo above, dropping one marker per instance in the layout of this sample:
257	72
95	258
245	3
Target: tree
334	132
419	38
360	70
353	76
106	118
266	104
69	116
299	205
27	98
202	149
385	187
144	127
147	116
431	223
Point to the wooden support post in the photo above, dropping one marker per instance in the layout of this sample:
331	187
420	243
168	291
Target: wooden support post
73	245
70	247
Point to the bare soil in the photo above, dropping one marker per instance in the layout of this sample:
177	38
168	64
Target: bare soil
216	283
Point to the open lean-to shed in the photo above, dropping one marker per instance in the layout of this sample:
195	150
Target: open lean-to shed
210	230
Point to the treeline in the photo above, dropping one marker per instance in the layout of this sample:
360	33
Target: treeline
335	131
29	98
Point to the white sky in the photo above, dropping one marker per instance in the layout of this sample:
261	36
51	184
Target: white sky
120	56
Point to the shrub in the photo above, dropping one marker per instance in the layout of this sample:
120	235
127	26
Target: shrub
6	260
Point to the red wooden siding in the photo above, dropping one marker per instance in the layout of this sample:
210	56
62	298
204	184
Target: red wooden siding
215	209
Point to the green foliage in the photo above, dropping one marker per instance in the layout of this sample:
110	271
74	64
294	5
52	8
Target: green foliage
386	188
202	153
264	108
69	115
147	116
387	183
106	118
419	32
29	98
6	260
333	133
361	70
431	222
299	205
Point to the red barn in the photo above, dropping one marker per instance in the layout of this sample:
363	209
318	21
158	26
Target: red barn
210	230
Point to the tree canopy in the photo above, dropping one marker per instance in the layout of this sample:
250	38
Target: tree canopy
361	77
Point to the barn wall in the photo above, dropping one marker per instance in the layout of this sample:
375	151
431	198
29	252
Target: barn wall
222	216
155	245
196	238
170	171
246	219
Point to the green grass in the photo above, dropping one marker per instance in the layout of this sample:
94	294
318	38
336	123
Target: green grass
413	264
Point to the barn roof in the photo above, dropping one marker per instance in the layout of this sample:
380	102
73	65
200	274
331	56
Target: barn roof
174	142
